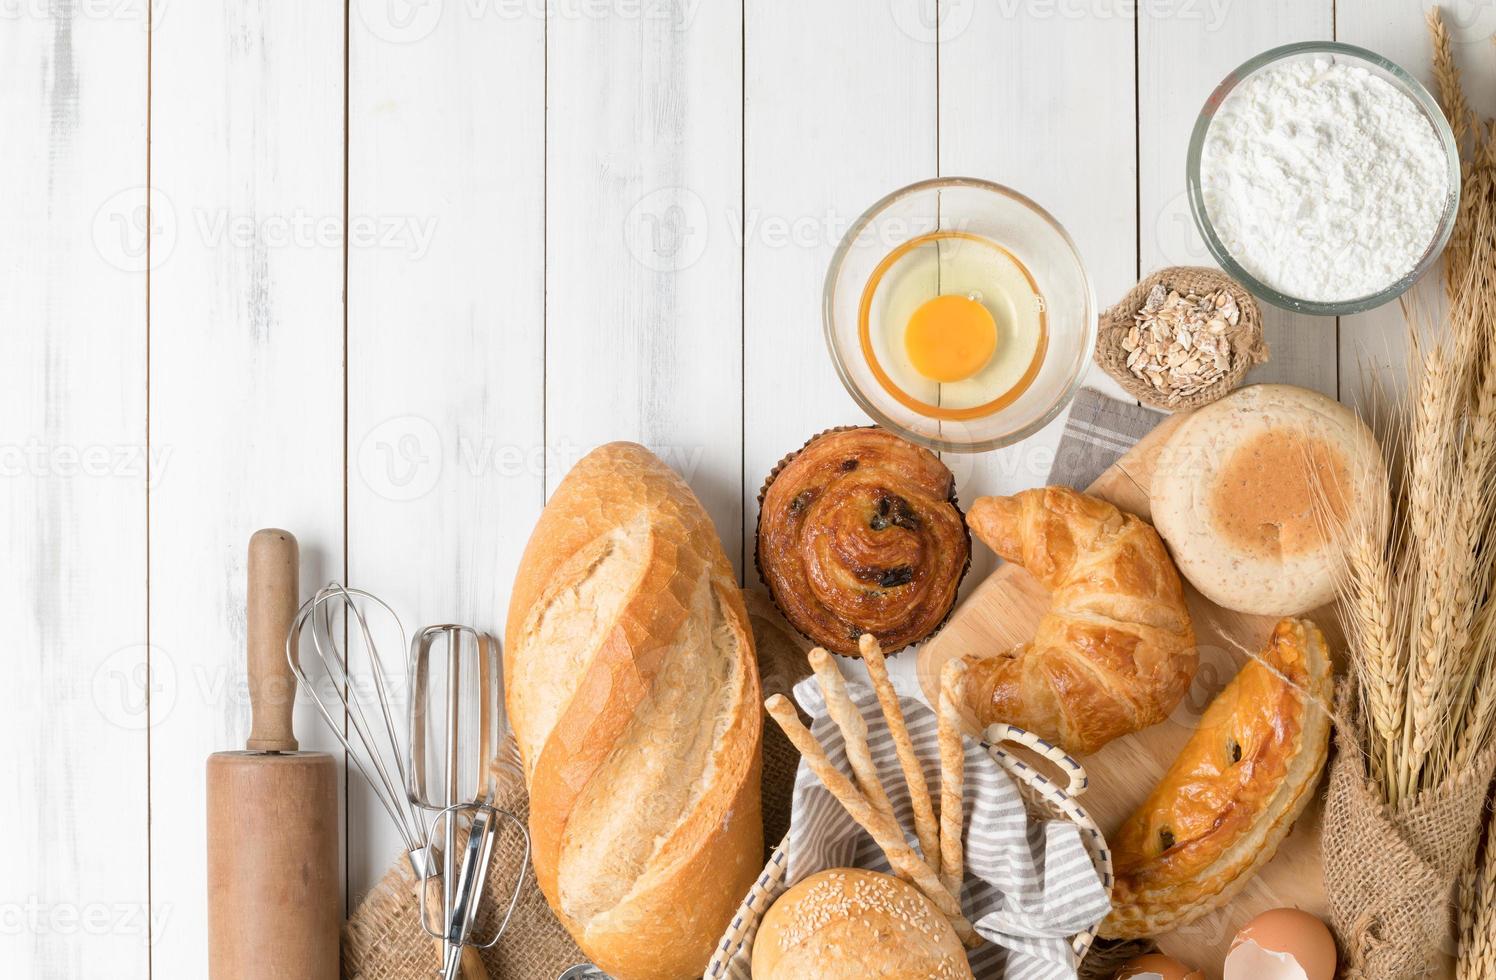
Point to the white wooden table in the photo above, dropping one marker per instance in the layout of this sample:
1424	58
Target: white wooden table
380	275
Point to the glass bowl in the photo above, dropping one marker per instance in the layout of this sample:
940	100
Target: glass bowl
962	207
1377	65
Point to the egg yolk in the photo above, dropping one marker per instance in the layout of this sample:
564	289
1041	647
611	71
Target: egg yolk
950	338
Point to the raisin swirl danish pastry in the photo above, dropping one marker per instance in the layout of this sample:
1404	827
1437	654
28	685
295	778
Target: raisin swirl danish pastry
859	532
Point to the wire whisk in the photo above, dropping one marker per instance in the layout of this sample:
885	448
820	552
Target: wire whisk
457	743
340	693
459	750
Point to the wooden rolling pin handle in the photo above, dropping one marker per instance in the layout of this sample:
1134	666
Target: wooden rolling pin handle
271	602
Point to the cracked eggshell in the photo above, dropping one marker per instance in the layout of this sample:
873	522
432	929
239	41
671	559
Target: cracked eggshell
1157	966
1282	944
1240	492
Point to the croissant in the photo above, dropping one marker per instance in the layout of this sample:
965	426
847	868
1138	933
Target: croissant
1115	652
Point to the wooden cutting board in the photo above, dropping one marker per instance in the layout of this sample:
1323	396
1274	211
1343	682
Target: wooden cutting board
1004	611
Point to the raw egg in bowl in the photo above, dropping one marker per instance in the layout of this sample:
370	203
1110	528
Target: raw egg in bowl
959	314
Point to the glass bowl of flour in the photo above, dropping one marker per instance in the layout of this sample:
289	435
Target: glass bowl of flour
1323	177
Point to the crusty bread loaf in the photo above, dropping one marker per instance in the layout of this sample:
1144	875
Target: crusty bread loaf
847	924
1248	488
634	698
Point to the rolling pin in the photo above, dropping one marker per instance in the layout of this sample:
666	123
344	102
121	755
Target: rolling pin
274	893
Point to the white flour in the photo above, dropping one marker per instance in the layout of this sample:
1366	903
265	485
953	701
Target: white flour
1323	180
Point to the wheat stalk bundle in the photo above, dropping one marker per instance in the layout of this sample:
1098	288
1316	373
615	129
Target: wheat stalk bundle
1404	815
1417	592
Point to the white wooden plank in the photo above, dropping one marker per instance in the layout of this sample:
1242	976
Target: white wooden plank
643	267
1373	345
446	338
246	380
1184	50
73	456
1040	97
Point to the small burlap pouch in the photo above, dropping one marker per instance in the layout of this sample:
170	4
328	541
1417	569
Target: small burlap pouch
1247	345
384	940
1390	872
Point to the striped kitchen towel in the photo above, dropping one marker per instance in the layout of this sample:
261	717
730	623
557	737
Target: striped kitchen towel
1099	430
1030	884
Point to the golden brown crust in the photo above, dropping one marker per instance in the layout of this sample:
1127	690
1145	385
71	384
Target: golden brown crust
859	533
847	924
635	702
1233	793
1115	652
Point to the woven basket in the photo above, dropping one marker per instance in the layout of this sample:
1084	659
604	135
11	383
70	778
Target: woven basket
1044	796
1248	348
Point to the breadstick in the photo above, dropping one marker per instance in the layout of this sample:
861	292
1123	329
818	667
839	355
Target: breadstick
925	827
853	729
952	776
883	830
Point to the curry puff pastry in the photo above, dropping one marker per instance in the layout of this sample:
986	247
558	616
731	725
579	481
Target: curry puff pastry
1228	801
859	532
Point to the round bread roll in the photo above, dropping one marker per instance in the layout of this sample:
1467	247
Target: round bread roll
1248	489
847	924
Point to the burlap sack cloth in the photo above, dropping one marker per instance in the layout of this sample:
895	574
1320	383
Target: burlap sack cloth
384	940
1390	872
1248	348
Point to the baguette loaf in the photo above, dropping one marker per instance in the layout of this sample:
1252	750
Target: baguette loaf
634	697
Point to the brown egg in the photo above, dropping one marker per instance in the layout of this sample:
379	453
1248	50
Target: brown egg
1157	965
1282	944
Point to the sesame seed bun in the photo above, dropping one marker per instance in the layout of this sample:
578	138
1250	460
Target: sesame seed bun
847	924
